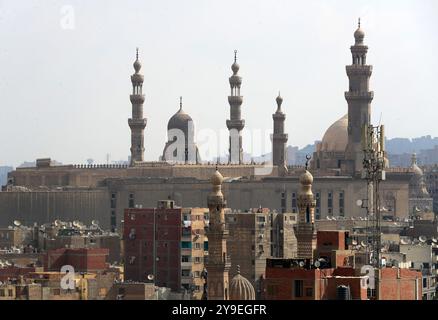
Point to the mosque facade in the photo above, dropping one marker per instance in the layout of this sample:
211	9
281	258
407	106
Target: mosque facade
47	192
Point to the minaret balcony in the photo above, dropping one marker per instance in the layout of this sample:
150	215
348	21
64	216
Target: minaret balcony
236	124
235	100
282	137
137	123
137	98
359	70
279	116
357	95
137	78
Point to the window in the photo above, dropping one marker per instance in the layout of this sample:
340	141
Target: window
318	205
2	293
298	288
185	272
131	201
197	288
424	282
294	202
330	203
261	219
185	258
205	245
186	245
341	203
272	290
197	274
198	260
113	201
197	245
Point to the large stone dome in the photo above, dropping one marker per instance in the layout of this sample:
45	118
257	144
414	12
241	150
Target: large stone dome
179	120
336	137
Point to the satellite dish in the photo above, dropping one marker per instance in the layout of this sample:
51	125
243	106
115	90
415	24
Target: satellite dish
354	242
150	277
329	218
57	223
422	239
301	264
76	223
403	241
363	244
434	240
334	218
95	223
317	264
17	223
359	203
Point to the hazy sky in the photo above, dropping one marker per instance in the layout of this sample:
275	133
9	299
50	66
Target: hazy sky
65	84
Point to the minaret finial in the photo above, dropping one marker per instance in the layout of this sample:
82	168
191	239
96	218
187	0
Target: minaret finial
137	54
180	103
308	157
235	55
358	23
238	269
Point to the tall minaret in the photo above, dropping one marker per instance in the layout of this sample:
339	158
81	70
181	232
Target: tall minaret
235	124
279	138
219	263
359	99
305	230
137	123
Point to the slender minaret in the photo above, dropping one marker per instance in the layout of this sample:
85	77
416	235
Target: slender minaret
137	123
359	99
279	138
235	124
219	263
305	230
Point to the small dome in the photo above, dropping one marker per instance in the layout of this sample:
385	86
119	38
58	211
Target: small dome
137	66
336	137
359	35
306	178
235	67
241	288
216	179
415	168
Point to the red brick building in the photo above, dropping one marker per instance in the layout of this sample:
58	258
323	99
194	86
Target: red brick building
82	259
152	238
301	279
168	243
14	272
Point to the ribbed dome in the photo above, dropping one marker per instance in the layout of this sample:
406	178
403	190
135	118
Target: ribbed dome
336	137
306	178
241	288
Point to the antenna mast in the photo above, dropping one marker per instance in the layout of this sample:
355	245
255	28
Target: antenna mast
373	145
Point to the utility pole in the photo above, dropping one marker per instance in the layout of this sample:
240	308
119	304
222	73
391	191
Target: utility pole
373	145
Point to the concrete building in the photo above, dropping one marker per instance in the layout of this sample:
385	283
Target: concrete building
166	244
255	235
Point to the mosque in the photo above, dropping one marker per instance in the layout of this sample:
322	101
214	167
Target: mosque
101	192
